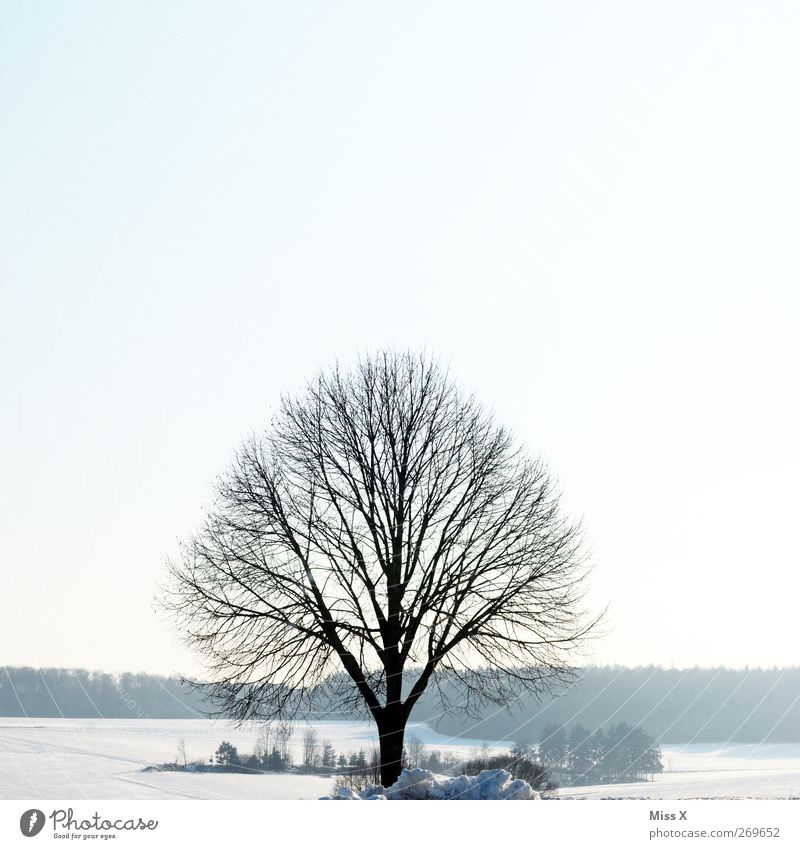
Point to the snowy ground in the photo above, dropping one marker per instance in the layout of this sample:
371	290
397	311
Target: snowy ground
712	771
104	758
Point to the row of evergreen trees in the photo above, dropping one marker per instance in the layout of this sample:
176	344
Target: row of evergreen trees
618	754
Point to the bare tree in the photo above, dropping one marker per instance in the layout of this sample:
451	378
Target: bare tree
263	747
283	740
310	748
180	758
382	538
415	752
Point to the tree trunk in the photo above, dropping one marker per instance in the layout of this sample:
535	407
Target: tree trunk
391	731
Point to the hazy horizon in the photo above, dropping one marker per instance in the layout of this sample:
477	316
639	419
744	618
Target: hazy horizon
601	666
590	212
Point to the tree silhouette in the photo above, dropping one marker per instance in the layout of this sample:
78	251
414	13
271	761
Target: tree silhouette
227	754
383	536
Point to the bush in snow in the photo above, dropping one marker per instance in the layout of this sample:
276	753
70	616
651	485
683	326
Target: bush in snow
519	763
423	784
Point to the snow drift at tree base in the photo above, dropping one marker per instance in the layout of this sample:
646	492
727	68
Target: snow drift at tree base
423	784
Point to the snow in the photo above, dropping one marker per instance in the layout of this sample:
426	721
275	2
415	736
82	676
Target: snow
104	759
490	784
711	771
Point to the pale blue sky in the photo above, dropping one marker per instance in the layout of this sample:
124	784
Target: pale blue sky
590	210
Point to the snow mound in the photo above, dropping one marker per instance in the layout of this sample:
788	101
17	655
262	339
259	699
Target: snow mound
423	784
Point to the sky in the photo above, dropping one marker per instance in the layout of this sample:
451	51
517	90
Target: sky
590	211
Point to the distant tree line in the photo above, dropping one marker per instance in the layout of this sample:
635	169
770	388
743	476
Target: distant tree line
79	693
85	694
676	706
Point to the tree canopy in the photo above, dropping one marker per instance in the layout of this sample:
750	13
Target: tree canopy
386	527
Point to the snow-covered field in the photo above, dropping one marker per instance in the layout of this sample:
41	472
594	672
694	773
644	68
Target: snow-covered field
104	758
712	771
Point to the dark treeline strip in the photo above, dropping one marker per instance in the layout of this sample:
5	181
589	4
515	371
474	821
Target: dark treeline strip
674	705
78	693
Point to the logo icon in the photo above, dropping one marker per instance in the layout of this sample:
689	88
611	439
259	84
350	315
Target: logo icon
31	822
